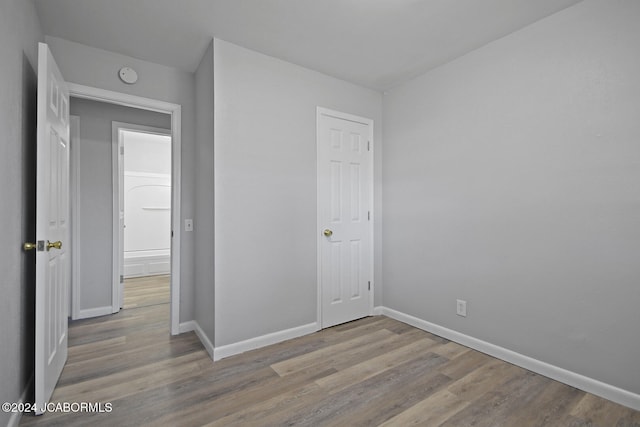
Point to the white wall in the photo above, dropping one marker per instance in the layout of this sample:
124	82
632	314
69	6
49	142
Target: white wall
147	195
147	152
511	181
96	193
99	68
204	221
265	188
19	36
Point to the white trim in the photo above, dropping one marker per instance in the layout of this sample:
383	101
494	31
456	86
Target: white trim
94	312
147	174
321	111
116	267
15	418
264	340
119	98
187	326
378	311
96	94
590	385
74	183
204	339
194	326
117	170
176	221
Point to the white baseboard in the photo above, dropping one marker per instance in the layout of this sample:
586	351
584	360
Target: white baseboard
148	265
14	421
187	326
264	340
206	342
573	379
94	312
192	325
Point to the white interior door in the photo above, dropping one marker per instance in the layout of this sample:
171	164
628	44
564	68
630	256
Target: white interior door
52	227
345	188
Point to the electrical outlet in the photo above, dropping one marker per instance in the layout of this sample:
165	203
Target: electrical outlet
188	225
461	308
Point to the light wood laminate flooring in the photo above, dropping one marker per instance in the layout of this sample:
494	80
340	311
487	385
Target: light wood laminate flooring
145	291
371	372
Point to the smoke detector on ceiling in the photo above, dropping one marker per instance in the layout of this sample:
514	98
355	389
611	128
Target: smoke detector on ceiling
128	75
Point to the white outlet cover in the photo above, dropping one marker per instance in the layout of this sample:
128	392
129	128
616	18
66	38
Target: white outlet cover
461	308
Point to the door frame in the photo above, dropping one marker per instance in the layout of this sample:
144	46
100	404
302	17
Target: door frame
74	199
118	179
321	111
175	111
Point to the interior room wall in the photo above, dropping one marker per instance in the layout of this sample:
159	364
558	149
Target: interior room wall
147	152
204	220
19	36
265	188
147	203
96	193
99	68
511	181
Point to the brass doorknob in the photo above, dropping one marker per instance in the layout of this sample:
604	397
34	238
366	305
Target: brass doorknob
29	246
57	245
327	232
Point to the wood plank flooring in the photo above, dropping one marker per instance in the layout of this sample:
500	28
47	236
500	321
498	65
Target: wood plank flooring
371	372
145	291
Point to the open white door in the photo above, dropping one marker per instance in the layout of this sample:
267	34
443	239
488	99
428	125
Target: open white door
345	197
52	227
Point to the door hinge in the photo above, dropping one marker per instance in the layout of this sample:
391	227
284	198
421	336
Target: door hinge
368	215
121	278
368	145
369	284
122	150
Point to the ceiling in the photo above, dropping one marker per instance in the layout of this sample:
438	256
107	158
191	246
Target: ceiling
374	43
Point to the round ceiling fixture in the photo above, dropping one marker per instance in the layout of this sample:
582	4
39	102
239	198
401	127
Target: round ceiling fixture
128	75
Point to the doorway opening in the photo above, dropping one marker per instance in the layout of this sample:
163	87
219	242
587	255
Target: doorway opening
162	257
143	168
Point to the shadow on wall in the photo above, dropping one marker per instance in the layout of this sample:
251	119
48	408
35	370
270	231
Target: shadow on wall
28	204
